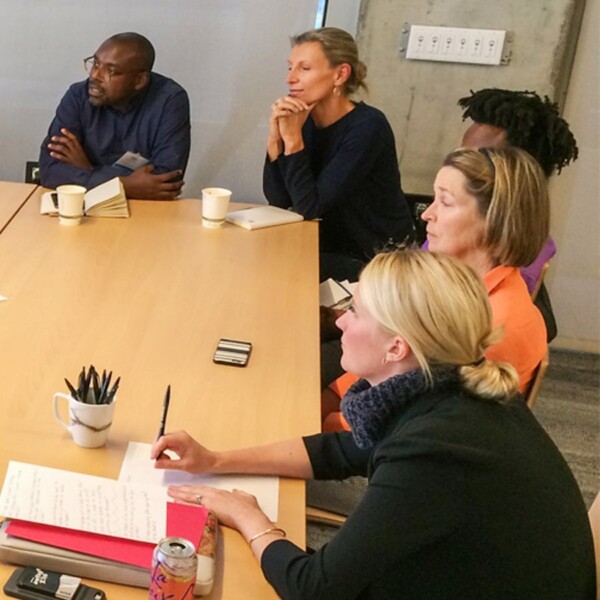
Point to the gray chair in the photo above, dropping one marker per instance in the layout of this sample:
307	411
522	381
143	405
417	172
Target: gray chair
536	381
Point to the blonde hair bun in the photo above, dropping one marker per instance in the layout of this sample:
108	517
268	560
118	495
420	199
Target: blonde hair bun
440	307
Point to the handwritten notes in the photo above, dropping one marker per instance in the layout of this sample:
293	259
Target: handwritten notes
83	502
137	468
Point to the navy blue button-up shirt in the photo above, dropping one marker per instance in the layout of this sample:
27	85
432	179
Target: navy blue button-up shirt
155	125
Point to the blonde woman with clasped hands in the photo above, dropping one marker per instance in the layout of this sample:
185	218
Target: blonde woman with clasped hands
332	158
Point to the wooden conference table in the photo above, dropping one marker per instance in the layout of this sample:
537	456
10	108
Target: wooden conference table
12	198
149	297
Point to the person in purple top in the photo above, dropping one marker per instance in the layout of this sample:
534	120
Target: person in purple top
499	118
524	120
123	121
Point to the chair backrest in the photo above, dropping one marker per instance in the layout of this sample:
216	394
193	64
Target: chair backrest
594	515
540	280
324	517
32	172
536	381
417	204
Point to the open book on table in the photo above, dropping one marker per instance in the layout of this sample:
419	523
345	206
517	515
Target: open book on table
96	527
105	200
336	294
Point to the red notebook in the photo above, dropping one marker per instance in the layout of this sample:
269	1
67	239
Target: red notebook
183	520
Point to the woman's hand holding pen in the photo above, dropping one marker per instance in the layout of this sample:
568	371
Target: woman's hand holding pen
193	457
235	509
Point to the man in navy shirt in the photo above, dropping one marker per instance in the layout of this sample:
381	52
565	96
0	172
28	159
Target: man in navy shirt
123	121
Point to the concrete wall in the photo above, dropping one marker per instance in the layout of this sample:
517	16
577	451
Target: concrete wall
574	277
343	14
419	99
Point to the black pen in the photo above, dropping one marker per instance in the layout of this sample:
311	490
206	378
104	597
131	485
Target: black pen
86	387
104	389
95	386
81	385
112	392
72	389
163	418
165	410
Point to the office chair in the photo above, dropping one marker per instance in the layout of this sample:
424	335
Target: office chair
324	517
536	380
417	205
540	280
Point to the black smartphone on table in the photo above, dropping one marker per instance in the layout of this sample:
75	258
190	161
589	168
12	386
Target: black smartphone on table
33	583
232	352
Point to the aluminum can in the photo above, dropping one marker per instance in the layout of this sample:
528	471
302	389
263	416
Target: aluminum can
174	567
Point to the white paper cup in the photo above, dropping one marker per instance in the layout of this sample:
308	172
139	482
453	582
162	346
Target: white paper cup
70	204
215	202
88	423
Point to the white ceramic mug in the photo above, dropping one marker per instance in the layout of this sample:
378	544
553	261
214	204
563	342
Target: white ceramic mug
70	204
88	423
215	202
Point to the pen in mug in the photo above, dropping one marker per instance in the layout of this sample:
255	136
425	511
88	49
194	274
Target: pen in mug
104	395
72	390
110	396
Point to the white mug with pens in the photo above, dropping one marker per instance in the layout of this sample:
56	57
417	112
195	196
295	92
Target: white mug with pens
90	408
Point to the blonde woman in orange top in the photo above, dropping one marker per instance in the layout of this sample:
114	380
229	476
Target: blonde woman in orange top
490	210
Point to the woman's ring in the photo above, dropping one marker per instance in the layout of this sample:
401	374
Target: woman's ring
199	498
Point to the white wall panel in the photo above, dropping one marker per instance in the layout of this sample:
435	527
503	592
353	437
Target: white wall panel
230	55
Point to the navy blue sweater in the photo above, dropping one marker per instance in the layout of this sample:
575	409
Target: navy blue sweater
347	175
155	125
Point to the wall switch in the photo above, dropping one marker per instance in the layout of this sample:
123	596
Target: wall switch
456	44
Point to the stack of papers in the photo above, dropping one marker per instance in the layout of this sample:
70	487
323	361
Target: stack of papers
107	529
96	527
94	515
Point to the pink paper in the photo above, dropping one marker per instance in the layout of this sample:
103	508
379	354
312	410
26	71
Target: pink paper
183	520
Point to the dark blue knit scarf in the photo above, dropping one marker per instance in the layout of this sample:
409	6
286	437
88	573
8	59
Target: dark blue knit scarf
370	409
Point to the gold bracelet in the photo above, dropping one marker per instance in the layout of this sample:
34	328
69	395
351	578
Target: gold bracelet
277	530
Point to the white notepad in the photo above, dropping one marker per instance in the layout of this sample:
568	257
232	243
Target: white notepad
137	468
262	216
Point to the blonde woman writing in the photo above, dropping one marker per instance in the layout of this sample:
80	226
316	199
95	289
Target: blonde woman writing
466	490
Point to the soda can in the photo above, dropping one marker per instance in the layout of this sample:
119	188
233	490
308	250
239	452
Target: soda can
174	567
